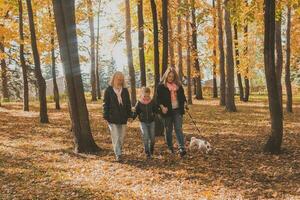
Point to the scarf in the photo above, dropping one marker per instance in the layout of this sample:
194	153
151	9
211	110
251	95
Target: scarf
173	90
118	92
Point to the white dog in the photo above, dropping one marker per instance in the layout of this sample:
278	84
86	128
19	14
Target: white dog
201	145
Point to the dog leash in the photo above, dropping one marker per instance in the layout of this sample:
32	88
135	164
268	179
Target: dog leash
192	119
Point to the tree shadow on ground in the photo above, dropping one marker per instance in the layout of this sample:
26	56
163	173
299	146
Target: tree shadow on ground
237	162
40	182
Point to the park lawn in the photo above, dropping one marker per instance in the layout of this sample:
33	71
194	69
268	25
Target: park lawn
37	160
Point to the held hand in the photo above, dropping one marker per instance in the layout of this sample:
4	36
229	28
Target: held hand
133	109
164	110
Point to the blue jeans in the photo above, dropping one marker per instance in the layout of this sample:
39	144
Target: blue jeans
174	121
148	134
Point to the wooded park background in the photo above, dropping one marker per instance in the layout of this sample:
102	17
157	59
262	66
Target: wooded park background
238	60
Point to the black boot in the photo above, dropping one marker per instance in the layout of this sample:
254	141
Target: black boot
182	152
148	155
151	149
119	158
171	150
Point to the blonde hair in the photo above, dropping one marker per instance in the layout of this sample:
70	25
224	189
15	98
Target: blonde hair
112	80
166	74
144	90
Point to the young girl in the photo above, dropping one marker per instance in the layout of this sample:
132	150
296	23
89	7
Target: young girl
171	100
116	111
146	109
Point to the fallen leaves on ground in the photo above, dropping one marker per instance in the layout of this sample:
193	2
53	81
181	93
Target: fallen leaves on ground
37	160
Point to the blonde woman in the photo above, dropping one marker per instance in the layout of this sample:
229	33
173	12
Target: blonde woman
117	111
171	100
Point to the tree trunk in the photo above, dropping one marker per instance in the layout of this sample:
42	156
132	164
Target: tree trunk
141	42
215	86
246	78
93	54
4	70
196	64
273	144
64	12
221	50
279	63
98	85
188	56
55	87
171	41
237	63
230	105
129	52
155	43
289	94
179	43
165	35
159	126
37	70
247	89
195	86
22	59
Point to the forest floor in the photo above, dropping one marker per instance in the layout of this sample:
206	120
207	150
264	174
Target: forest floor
37	160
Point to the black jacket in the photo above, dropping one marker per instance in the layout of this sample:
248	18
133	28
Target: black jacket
114	112
146	112
164	98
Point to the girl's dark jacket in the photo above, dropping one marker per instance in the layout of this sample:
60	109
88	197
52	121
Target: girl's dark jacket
146	112
164	98
113	112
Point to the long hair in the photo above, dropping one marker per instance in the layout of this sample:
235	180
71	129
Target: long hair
165	76
112	80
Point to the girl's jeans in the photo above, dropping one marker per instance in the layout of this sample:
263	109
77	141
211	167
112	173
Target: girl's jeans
148	134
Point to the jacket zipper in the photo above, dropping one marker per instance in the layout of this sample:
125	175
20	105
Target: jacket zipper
147	112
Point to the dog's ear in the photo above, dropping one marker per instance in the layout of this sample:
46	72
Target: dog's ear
192	142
